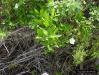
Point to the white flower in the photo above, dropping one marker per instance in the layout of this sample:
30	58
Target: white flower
72	41
45	73
16	5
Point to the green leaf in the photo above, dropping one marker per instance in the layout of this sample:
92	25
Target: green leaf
53	12
54	36
46	19
41	12
36	11
42	32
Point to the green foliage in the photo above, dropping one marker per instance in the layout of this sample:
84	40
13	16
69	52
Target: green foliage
59	73
12	66
79	56
95	49
3	33
67	7
46	29
94	12
20	12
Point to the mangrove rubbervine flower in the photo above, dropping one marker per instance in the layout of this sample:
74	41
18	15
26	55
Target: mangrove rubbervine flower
16	5
72	41
45	73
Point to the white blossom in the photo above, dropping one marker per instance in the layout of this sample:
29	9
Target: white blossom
45	73
72	41
16	5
